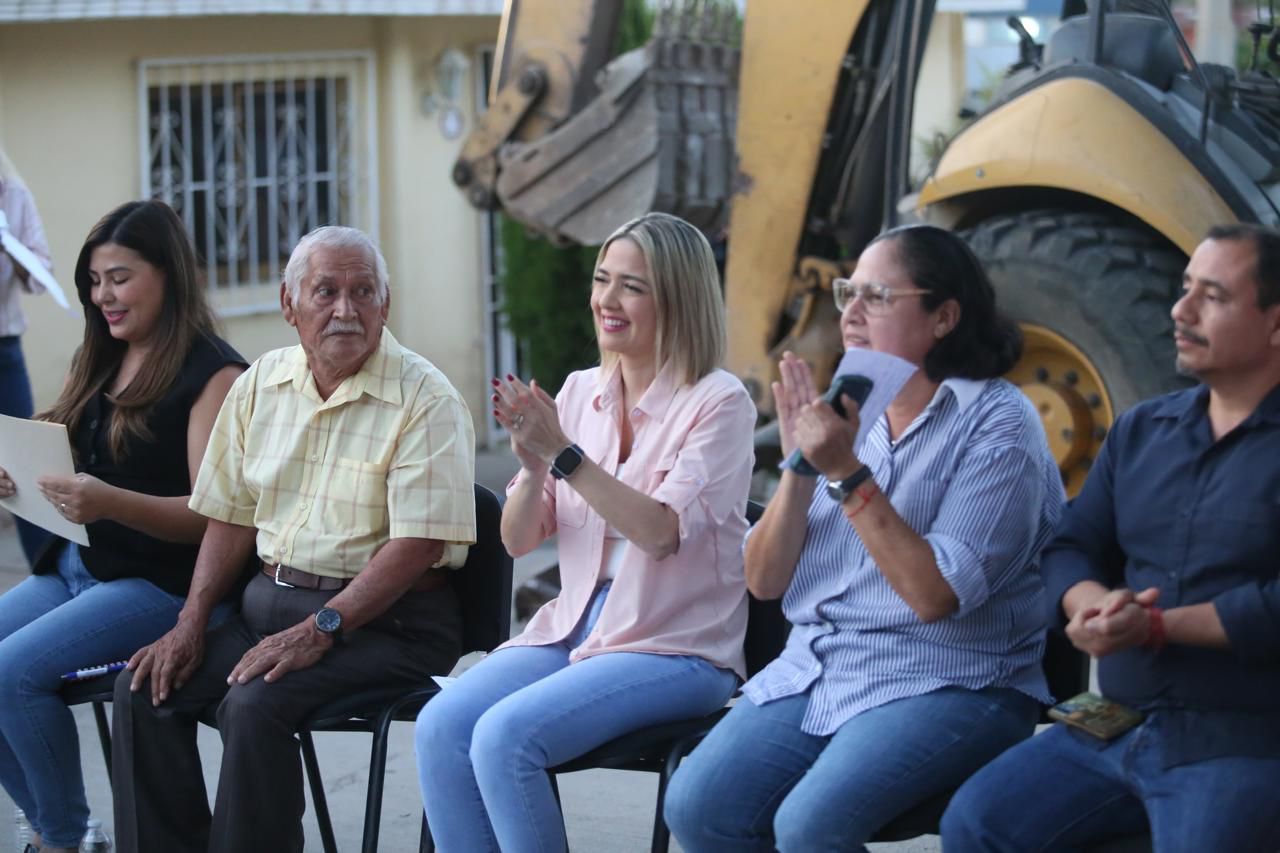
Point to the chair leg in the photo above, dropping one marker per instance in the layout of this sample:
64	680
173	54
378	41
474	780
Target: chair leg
318	799
661	832
426	844
555	790
104	736
377	777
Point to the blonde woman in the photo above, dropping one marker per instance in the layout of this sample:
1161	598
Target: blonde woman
642	466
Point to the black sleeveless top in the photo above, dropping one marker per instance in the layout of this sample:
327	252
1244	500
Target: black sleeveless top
158	467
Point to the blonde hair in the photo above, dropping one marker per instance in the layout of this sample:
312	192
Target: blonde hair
691	335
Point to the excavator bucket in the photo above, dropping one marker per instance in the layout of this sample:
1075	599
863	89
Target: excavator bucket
659	136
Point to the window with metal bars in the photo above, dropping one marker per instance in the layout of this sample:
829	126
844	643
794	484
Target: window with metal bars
253	153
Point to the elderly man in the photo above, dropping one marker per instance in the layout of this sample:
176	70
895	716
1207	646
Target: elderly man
343	469
1165	570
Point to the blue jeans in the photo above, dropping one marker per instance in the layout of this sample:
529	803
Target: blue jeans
16	402
52	624
1064	791
758	782
484	743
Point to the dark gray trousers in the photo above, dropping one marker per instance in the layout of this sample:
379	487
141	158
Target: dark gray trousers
160	799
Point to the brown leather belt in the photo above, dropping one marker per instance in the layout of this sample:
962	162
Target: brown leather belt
289	576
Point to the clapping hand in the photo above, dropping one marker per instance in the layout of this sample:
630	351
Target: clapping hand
807	422
529	414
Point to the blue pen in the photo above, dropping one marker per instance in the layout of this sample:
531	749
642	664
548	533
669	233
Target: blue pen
95	671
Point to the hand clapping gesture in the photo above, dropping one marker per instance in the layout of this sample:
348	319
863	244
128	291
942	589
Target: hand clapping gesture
806	422
529	414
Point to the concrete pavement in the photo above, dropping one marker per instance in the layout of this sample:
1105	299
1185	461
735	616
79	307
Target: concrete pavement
605	811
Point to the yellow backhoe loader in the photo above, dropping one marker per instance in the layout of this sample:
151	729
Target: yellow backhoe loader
1102	159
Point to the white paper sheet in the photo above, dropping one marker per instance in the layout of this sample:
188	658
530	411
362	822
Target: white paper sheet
888	373
25	258
31	449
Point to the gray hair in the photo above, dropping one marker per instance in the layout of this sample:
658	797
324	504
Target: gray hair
334	237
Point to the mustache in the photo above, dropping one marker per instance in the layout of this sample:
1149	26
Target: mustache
343	327
1184	332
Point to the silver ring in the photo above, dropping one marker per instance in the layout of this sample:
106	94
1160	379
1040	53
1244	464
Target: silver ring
518	422
63	507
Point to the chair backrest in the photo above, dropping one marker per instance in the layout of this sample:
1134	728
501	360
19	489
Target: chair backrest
483	584
1066	668
767	628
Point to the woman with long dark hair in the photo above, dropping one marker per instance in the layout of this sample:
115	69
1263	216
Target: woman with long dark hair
139	403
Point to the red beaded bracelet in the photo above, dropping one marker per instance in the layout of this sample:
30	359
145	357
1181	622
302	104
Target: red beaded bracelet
1156	636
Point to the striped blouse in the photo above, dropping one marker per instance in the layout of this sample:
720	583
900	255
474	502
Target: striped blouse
974	476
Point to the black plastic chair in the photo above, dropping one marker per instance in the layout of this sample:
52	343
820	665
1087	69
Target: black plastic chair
98	691
660	749
484	591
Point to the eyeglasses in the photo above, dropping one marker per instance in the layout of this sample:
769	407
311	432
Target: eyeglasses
876	297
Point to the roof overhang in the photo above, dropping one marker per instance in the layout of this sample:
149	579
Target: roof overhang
30	11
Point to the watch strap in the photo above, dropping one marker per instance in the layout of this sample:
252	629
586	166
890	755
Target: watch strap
839	491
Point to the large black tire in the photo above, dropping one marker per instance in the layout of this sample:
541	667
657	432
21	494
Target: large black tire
1103	281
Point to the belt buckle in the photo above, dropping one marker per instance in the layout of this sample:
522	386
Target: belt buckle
280	582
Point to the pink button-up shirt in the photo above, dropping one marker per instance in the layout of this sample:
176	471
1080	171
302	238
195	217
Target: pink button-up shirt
692	451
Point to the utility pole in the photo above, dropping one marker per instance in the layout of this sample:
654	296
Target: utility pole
1215	32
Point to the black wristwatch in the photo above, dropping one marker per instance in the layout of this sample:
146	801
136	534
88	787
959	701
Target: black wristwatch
839	490
566	462
329	621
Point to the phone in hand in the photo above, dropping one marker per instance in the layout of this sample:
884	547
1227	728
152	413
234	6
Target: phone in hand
852	385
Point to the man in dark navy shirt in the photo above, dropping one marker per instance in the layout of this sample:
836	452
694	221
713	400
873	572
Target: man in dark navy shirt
1166	569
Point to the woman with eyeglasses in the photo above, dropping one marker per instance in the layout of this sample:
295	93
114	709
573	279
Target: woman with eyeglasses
908	571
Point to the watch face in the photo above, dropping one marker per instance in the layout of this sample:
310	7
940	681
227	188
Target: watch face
328	620
837	492
567	462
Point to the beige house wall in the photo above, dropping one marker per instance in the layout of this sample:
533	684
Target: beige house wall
69	119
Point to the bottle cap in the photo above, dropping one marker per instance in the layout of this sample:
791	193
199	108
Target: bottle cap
94	823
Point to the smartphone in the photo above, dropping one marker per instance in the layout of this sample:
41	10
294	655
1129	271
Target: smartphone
1096	715
852	385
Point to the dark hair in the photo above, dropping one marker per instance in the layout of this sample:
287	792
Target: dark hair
984	344
155	232
1266	246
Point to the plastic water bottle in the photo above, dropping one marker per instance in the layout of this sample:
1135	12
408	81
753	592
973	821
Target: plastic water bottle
95	839
21	830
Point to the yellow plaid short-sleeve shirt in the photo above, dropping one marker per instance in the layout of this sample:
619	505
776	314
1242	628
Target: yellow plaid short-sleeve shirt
390	454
